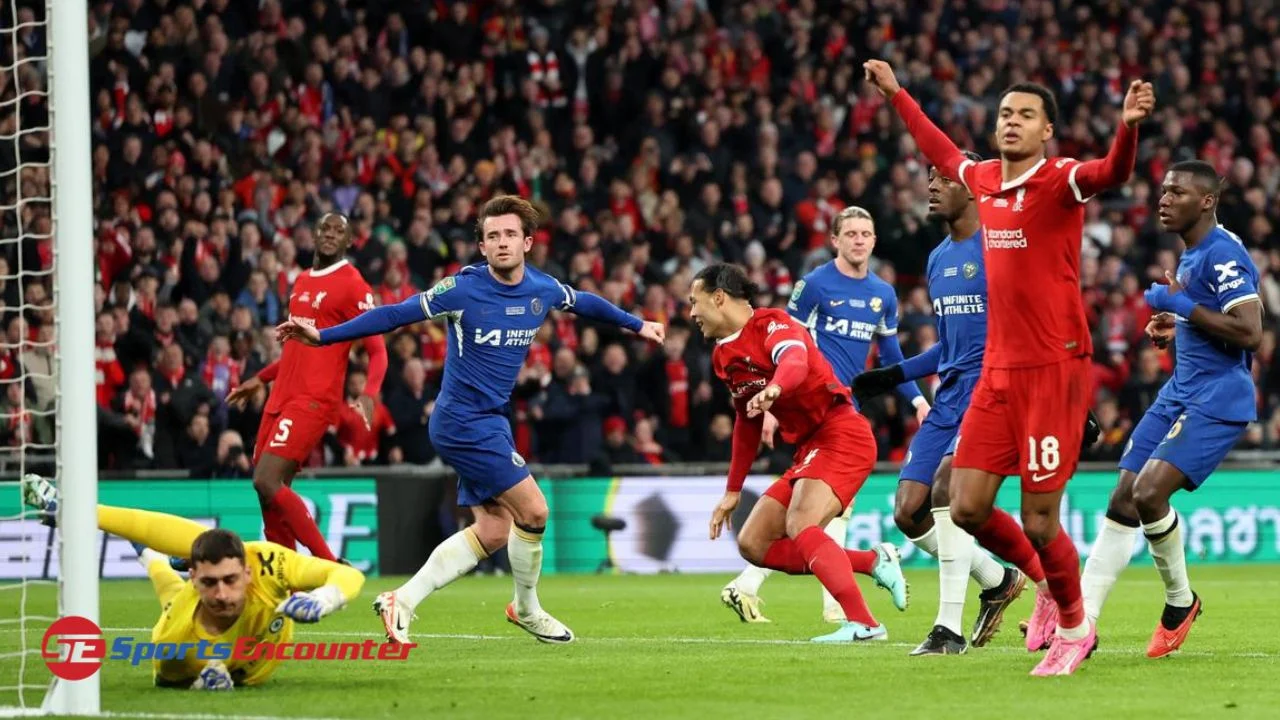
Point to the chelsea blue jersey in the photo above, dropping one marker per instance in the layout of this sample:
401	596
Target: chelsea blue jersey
490	326
1210	375
958	287
846	315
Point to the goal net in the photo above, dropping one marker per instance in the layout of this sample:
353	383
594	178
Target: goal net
47	384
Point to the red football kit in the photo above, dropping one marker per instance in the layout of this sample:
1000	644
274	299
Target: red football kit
309	382
1028	410
833	442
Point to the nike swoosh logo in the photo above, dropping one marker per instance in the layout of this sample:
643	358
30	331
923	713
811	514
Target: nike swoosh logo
273	443
1041	478
1069	660
836	303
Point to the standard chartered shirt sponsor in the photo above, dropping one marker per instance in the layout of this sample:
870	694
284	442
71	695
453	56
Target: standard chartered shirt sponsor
1005	239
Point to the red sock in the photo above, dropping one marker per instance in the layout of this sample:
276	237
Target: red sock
275	528
785	556
830	564
1062	570
1002	535
299	521
863	561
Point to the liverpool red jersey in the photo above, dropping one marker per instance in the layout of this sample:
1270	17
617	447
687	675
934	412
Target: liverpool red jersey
1033	227
320	298
746	361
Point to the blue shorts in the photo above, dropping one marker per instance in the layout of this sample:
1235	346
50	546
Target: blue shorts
481	450
1186	439
940	431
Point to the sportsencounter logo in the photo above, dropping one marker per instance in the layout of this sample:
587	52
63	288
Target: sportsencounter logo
74	649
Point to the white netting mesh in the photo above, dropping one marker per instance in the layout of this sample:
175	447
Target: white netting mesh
28	356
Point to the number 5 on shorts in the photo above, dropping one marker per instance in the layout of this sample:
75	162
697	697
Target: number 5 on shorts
282	433
1043	454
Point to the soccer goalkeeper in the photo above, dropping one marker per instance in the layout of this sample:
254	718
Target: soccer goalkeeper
237	589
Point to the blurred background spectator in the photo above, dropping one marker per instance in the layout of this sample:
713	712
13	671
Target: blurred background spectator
657	136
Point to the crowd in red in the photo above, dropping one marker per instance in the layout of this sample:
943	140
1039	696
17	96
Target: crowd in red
656	135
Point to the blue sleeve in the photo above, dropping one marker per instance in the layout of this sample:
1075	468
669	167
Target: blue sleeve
594	307
924	364
1232	274
889	318
803	304
891	354
445	297
377	321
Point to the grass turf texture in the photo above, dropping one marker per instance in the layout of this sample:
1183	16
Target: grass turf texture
664	647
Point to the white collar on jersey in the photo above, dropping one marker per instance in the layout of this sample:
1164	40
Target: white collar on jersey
1023	178
729	338
329	270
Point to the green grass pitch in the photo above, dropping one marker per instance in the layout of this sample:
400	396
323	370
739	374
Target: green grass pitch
664	647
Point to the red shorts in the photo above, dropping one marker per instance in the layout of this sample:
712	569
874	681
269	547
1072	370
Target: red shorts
841	454
1027	422
293	432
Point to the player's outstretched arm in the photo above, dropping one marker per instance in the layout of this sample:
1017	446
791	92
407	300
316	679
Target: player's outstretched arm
1092	177
873	383
319	587
377	321
933	142
167	534
891	354
593	307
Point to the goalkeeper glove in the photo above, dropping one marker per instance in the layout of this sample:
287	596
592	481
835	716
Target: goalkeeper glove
214	676
1092	431
309	607
871	383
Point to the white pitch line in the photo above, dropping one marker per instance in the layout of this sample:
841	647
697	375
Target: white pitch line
720	641
34	712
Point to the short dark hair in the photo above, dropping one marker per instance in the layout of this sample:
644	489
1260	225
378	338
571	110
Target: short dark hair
509	205
1202	171
216	545
730	278
1046	96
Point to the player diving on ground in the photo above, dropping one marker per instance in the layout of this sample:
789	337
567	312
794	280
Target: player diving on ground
256	590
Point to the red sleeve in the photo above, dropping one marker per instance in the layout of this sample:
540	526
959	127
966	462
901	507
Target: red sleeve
1093	176
934	143
746	443
793	366
377	349
268	374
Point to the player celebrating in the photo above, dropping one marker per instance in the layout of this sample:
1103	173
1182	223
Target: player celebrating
237	590
1201	411
309	385
846	307
958	286
494	309
770	364
1025	414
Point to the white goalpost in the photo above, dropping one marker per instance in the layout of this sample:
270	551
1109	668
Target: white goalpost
46	211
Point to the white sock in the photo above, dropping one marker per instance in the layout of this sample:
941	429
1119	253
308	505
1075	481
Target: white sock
927	542
1078	632
955	560
985	570
451	559
1109	555
837	530
1170	558
524	550
749	581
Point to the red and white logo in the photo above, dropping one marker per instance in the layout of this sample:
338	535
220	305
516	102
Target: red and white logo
73	648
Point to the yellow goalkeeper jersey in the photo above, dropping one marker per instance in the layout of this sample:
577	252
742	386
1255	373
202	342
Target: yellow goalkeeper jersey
277	573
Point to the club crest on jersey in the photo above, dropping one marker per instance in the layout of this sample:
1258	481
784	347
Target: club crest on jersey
536	306
1017	199
970	270
876	304
319	299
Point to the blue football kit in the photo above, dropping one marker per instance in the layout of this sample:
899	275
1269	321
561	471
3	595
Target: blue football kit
1202	411
490	326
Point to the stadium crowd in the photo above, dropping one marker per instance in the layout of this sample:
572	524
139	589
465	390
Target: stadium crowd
656	135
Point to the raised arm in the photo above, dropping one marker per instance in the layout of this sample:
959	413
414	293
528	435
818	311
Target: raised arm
377	321
934	143
1089	178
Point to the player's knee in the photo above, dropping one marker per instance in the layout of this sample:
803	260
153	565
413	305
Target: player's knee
1149	499
266	485
1122	502
910	519
752	547
1040	527
969	515
535	516
940	495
